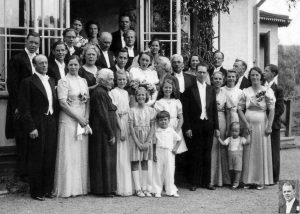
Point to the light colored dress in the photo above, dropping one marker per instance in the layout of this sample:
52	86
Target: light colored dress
257	156
219	155
120	98
141	118
233	96
71	174
174	107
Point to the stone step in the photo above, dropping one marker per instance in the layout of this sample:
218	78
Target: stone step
282	132
288	143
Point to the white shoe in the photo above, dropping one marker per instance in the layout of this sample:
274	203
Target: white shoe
157	195
147	193
140	193
176	195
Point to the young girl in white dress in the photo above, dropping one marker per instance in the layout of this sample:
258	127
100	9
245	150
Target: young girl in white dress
168	100
120	98
141	122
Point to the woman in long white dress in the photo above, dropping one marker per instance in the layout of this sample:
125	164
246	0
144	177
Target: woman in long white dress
257	160
71	174
120	98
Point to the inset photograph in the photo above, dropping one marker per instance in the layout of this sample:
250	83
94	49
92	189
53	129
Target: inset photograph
288	196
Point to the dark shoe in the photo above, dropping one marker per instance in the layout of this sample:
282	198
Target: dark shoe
193	188
39	198
108	195
211	187
49	195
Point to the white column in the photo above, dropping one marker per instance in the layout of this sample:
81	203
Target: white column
178	25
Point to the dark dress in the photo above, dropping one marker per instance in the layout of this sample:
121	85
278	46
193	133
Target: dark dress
102	154
88	76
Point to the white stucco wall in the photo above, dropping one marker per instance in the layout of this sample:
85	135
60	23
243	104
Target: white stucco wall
236	33
274	41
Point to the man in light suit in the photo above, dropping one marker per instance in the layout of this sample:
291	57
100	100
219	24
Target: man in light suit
118	41
19	67
291	204
269	73
200	124
38	105
106	59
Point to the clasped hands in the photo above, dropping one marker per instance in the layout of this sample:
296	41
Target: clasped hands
143	146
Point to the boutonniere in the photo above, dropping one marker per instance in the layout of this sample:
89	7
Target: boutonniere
260	96
82	97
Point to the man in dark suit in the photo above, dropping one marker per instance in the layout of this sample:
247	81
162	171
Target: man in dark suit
38	109
121	61
129	37
218	59
185	81
106	59
240	67
118	41
200	124
269	73
57	67
291	204
19	67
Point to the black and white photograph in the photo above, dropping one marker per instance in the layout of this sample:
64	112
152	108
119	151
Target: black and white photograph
149	106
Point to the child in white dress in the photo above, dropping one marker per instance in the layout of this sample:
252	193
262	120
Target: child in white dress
165	147
235	153
141	122
120	98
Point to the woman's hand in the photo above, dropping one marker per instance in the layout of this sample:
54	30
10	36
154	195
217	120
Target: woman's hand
83	121
268	130
249	128
112	141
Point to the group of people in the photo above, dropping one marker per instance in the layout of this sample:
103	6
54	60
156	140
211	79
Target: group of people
97	117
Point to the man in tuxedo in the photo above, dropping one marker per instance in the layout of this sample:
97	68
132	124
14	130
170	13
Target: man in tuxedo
106	59
240	67
291	204
19	67
218	59
129	37
185	81
121	61
118	41
38	109
57	67
269	73
200	124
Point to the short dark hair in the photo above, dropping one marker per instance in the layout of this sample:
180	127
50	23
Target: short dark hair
146	53
162	114
257	69
203	64
77	19
122	50
34	34
273	68
218	51
125	14
155	40
73	57
68	30
59	42
87	27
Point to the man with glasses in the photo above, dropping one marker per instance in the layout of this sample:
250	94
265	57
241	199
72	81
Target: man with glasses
218	59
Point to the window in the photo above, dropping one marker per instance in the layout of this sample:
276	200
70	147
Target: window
48	17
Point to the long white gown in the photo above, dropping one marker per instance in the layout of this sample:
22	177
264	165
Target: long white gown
120	98
71	173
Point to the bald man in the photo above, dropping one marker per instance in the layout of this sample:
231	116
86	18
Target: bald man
38	106
106	59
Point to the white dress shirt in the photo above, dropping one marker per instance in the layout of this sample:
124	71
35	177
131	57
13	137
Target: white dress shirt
105	54
31	56
289	205
46	84
180	78
130	51
122	39
61	68
202	92
71	50
166	138
269	84
217	69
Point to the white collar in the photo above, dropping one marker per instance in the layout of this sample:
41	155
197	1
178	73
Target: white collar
269	84
30	54
119	69
162	130
42	77
179	74
202	85
129	48
59	63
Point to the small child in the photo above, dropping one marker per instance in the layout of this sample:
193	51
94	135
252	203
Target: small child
235	153
166	145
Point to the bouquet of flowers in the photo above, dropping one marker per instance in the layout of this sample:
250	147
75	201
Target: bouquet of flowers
82	97
260	96
134	84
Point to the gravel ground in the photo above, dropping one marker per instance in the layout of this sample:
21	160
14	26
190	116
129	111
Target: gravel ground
222	200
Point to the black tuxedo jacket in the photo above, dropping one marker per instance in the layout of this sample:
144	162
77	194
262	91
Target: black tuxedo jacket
130	59
33	102
101	61
78	52
188	80
279	106
192	107
19	68
282	208
245	83
53	71
211	71
116	42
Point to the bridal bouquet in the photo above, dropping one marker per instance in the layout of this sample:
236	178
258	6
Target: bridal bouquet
260	96
134	84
